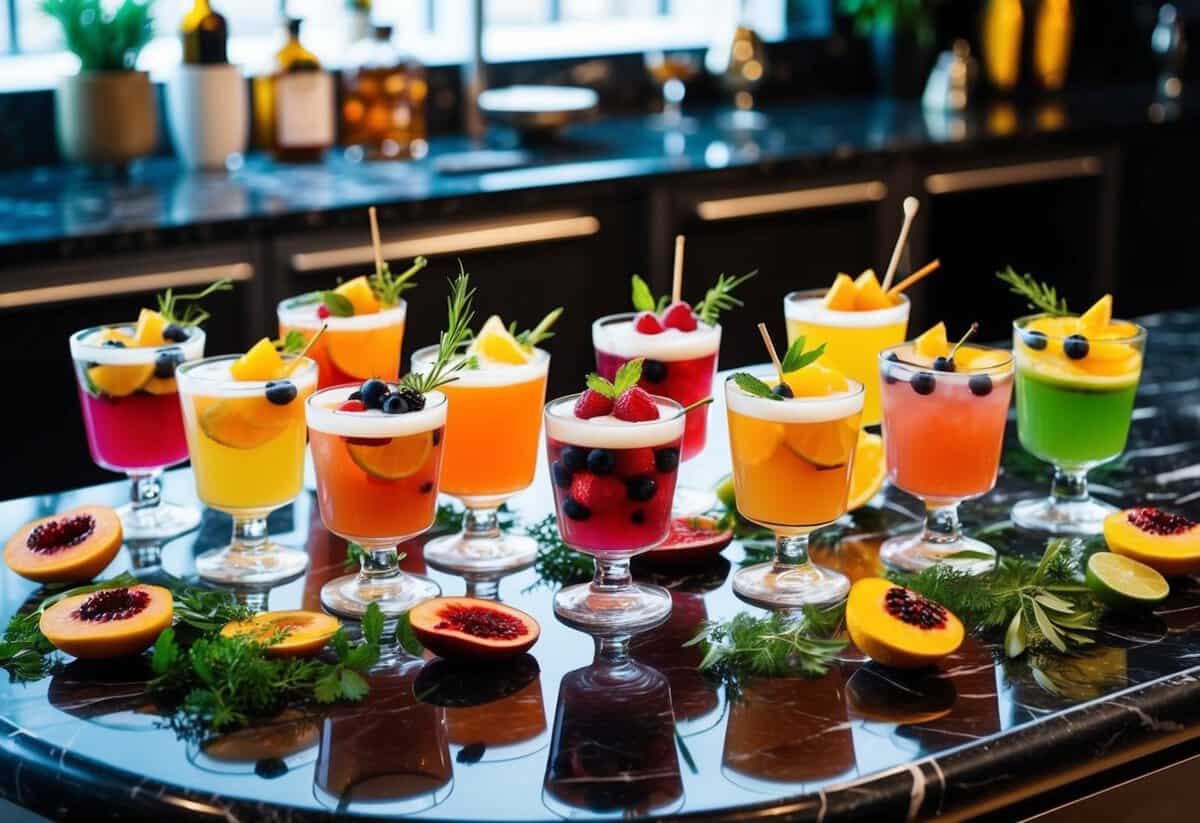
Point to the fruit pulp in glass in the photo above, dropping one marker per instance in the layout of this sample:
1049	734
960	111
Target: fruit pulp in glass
247	452
377	473
679	365
352	349
853	339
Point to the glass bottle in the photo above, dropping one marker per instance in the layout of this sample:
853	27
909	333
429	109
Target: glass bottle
1003	25
383	99
294	106
205	36
1052	31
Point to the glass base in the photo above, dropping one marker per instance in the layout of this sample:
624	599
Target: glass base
267	565
159	522
631	608
458	553
914	552
691	502
349	596
785	585
1056	516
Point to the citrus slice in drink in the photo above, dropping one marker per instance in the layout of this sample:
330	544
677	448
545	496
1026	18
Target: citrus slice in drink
870	469
399	458
755	442
824	445
368	353
842	295
242	422
360	295
1124	583
869	294
262	362
496	344
118	381
150	326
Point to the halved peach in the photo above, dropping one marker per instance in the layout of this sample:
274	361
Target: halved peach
296	633
110	622
898	627
65	548
467	628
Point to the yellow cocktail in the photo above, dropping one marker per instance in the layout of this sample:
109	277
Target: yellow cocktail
246	441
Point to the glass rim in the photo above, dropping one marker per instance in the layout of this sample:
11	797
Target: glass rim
435	393
809	294
676	410
423	352
328	419
1004	365
77	338
621	317
184	370
1020	323
769	370
287	312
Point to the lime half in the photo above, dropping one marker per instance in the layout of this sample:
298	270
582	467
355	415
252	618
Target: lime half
1122	582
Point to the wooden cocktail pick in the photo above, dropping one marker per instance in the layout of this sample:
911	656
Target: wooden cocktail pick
290	366
916	277
766	336
375	244
677	281
911	205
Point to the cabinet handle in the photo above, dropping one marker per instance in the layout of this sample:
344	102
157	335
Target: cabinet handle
69	292
1015	175
540	229
728	208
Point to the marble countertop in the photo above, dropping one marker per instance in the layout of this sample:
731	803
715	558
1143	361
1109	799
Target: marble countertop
60	205
655	737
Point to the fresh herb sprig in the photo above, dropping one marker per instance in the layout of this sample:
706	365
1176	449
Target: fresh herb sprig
291	343
719	297
192	314
626	378
1043	604
556	562
388	287
795	359
644	299
776	645
531	337
1038	295
459	315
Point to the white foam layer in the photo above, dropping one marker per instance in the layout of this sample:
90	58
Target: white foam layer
211	377
305	316
795	410
616	335
87	346
809	307
610	433
489	373
323	416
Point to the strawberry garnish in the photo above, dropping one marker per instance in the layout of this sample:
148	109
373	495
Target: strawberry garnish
323	311
647	323
592	404
352	406
635	406
632	462
679	316
600	493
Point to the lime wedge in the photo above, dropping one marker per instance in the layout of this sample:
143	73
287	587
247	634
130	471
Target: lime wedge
1122	582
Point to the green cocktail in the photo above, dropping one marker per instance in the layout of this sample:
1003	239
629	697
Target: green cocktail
1072	426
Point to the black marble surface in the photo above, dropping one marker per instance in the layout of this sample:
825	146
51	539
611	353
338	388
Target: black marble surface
860	743
162	202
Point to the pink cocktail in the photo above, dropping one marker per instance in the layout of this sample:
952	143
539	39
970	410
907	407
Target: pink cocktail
614	482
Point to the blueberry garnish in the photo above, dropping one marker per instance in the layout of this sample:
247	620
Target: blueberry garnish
165	363
1076	347
637	517
114	344
395	404
600	461
654	371
641	488
980	385
372	393
575	510
666	460
175	333
783	390
923	382
562	475
943	364
281	392
574	458
1034	339
887	372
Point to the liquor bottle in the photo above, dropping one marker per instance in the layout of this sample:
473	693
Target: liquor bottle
294	106
1003	24
204	35
358	21
1052	30
383	99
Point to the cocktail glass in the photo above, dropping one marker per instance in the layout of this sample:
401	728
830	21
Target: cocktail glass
791	474
140	432
352	349
377	486
627	472
1075	414
492	428
678	365
943	433
853	339
248	460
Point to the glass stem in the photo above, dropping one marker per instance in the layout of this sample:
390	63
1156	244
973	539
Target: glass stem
612	648
1069	485
145	491
612	574
379	562
249	534
253	599
144	555
481	524
942	524
488	589
791	549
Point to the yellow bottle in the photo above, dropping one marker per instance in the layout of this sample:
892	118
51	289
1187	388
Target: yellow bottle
204	34
1052	32
294	108
1003	22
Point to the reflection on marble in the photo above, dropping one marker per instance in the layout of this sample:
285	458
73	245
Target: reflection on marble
556	735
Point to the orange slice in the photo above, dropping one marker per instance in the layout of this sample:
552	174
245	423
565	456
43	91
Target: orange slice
1099	316
149	331
119	381
870	469
870	295
815	380
494	343
262	362
842	295
933	343
754	441
365	354
243	422
295	633
824	445
401	457
358	291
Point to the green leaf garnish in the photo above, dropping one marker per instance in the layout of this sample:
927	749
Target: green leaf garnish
388	287
797	358
773	646
556	562
292	343
626	378
459	315
753	386
1038	295
338	305
720	297
406	637
193	314
529	339
643	298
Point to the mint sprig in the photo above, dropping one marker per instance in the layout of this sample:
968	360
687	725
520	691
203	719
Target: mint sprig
753	386
797	358
643	298
626	378
338	305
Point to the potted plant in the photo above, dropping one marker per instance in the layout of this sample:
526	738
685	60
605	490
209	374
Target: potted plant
107	112
901	33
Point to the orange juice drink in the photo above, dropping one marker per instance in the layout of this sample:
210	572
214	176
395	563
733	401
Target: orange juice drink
856	320
792	457
377	483
244	421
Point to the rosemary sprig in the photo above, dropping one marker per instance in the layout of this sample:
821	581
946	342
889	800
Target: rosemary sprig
556	562
458	330
776	645
531	337
192	314
388	287
1038	295
720	297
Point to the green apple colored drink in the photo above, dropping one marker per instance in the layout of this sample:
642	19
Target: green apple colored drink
1072	425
